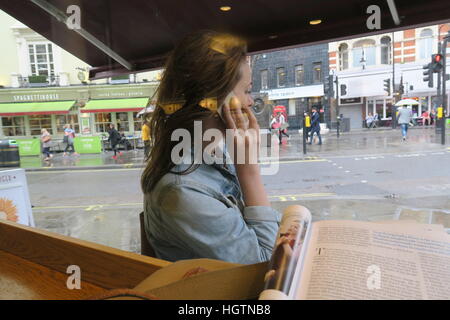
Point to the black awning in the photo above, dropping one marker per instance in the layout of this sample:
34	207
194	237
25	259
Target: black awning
141	32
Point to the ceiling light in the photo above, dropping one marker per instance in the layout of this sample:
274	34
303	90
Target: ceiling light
225	8
314	22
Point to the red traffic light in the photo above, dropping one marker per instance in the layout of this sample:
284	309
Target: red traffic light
437	58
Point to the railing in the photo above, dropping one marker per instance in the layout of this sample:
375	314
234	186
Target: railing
38	81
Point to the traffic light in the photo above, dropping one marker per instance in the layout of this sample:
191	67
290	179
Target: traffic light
343	89
328	86
428	74
437	61
387	86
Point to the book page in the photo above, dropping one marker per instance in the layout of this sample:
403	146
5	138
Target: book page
364	260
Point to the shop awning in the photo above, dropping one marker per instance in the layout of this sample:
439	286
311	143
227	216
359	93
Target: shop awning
115	105
34	108
116	37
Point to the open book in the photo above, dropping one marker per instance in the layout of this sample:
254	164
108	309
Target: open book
357	260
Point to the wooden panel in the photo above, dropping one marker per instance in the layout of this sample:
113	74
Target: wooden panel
25	280
101	265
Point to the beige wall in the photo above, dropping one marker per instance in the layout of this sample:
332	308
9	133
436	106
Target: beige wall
9	62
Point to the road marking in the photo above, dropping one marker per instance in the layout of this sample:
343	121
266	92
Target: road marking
92	207
83	171
293	161
295	197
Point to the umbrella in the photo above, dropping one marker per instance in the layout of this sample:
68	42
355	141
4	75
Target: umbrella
277	109
407	102
148	109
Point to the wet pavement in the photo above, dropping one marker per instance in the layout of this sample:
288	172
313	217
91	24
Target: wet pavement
364	175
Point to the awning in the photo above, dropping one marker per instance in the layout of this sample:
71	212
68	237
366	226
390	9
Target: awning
34	108
116	36
115	105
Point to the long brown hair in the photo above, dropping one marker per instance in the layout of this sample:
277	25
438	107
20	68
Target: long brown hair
204	64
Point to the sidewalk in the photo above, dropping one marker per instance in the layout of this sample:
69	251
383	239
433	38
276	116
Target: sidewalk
353	143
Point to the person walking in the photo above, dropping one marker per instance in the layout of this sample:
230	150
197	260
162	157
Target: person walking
307	123
114	138
46	139
315	126
146	138
69	136
404	118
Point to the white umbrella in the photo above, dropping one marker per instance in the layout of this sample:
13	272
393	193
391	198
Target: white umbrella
407	102
148	109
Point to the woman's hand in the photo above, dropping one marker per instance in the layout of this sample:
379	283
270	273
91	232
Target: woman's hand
242	127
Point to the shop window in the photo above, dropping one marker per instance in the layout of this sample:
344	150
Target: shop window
379	108
299	75
264	80
317	72
63	119
281	77
122	121
40	121
13	126
102	122
137	122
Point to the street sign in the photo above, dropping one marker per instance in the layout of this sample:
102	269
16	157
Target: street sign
15	203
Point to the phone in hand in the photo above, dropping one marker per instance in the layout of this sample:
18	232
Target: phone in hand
234	103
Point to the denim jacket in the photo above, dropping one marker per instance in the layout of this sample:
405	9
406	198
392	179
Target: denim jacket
202	215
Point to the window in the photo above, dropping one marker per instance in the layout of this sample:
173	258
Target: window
281	77
299	75
264	80
40	121
343	56
317	72
122	121
102	121
364	53
386	50
426	43
63	119
13	126
137	122
41	60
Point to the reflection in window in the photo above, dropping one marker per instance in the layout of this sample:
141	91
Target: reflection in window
63	119
426	43
122	121
299	75
13	126
264	80
386	50
281	77
343	56
137	122
364	53
317	72
102	121
40	121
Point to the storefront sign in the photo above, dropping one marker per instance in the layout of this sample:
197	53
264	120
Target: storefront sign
29	147
87	144
14	197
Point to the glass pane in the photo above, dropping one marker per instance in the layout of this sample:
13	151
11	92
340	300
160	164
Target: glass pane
49	47
370	55
41	58
40	48
43	72
7	121
50	56
32	58
33	69
30	49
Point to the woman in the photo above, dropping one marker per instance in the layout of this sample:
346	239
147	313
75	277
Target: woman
46	139
199	210
114	138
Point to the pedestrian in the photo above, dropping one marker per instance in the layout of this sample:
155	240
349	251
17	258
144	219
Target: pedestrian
426	118
307	123
315	126
213	207
369	120
432	116
146	138
114	138
404	118
46	139
279	123
69	136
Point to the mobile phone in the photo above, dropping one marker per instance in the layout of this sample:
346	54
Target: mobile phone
233	102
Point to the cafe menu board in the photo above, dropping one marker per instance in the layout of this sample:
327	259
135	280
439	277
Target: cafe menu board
14	197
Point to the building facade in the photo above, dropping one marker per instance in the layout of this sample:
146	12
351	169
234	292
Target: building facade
362	64
293	78
43	86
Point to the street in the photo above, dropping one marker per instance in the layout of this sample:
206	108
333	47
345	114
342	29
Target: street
102	205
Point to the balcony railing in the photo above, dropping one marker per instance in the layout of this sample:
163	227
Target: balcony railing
38	81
